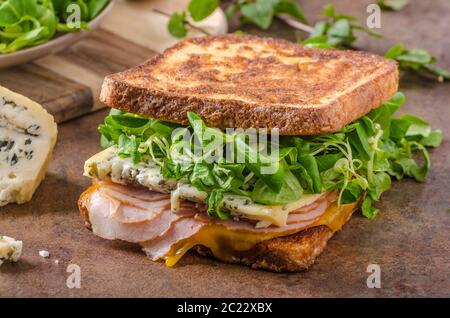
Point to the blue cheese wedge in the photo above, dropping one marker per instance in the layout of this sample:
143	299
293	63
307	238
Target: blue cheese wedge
10	249
27	138
106	165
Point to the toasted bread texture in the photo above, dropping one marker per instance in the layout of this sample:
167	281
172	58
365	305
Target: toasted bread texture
252	82
293	253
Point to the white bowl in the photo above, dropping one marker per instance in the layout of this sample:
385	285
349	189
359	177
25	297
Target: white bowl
53	46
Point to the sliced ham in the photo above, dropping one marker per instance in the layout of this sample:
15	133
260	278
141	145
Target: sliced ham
310	214
182	229
140	193
108	227
137	208
133	215
247	226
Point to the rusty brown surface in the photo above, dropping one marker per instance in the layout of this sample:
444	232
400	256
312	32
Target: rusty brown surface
409	239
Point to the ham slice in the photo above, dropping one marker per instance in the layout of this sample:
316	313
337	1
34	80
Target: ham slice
185	228
142	216
249	227
310	214
133	208
102	208
182	229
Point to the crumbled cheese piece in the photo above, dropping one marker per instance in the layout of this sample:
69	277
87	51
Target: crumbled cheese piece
107	165
10	249
44	254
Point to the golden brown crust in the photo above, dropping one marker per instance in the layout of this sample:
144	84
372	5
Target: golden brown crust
252	82
82	206
293	253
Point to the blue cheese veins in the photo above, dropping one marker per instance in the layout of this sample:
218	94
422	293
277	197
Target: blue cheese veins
27	137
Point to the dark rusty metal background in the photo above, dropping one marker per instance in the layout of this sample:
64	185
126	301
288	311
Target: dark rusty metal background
409	239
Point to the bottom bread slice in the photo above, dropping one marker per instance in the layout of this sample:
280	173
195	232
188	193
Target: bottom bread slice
292	253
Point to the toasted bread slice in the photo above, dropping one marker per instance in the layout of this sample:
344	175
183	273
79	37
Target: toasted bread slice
291	253
252	82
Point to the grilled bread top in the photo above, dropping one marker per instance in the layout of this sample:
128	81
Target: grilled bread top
248	81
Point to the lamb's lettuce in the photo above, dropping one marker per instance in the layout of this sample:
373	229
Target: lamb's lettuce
359	161
26	23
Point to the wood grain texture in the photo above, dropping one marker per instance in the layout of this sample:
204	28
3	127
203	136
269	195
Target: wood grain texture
68	84
62	97
90	60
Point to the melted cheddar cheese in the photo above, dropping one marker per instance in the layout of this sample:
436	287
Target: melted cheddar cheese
225	244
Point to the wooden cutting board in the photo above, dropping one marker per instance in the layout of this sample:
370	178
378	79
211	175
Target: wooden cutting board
68	84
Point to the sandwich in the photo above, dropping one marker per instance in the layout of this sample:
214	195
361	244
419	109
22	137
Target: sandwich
249	150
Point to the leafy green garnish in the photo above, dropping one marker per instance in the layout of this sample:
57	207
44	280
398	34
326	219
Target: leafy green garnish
258	12
177	25
200	9
128	147
262	12
417	60
359	160
290	190
291	8
95	7
337	31
214	202
27	23
392	4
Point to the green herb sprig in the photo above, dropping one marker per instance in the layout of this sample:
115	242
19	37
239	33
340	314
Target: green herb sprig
197	10
337	31
417	60
392	4
262	12
258	12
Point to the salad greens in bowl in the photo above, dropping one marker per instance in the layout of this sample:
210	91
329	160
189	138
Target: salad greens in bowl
33	28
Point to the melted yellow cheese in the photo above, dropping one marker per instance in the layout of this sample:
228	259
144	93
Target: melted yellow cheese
225	244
